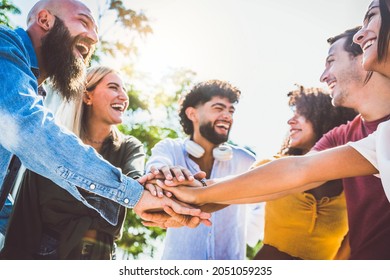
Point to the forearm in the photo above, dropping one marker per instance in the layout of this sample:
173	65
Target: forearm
212	207
287	175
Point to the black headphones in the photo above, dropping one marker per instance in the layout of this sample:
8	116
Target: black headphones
222	153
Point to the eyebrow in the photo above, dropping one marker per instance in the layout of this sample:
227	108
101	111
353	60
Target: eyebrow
115	84
223	105
369	10
331	52
91	19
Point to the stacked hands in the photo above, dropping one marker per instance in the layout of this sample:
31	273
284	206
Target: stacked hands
159	206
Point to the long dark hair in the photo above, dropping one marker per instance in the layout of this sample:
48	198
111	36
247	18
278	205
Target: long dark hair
384	31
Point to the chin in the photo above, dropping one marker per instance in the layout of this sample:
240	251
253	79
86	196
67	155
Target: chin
370	63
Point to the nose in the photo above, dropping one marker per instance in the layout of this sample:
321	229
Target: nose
227	115
123	95
358	37
324	76
93	35
292	120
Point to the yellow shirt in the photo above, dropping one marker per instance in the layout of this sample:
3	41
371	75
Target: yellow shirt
303	227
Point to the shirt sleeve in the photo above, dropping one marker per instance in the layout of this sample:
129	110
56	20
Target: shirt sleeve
161	155
28	130
375	148
367	148
135	158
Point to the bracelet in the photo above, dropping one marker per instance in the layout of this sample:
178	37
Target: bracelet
203	181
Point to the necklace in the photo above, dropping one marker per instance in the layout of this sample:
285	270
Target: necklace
93	141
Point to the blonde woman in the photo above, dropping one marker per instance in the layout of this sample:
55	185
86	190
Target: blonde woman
48	223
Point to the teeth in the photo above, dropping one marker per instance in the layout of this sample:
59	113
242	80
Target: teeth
82	48
368	44
119	107
224	125
332	85
293	131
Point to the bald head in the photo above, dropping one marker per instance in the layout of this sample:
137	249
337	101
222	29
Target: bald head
64	35
56	7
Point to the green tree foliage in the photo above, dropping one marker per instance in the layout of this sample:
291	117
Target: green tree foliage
119	29
138	239
7	7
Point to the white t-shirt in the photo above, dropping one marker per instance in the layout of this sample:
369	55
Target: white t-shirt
376	149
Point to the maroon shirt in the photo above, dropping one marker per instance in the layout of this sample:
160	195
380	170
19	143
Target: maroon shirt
367	205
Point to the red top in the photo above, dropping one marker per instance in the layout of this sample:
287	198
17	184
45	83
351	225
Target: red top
367	205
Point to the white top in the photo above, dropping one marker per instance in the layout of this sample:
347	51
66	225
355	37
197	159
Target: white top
376	149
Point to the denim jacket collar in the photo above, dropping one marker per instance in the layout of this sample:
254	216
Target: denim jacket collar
30	50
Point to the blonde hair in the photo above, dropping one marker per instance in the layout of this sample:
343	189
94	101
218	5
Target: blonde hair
71	114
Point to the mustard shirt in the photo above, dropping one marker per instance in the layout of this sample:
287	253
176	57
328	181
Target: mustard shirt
305	228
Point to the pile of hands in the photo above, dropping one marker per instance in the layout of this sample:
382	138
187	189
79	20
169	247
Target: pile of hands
160	208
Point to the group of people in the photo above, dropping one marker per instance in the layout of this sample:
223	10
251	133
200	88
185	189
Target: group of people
327	191
356	152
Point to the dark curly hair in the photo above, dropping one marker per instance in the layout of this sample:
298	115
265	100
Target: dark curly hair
316	106
202	93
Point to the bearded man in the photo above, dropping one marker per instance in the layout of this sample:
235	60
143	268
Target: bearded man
60	38
206	115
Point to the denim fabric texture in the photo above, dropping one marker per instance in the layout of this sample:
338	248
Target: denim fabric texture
28	131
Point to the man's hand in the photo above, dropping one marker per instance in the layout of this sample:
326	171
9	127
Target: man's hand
170	173
150	209
172	219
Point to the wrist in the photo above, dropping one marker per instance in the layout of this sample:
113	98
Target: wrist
203	182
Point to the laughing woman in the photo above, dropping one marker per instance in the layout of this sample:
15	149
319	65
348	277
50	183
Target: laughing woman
310	224
48	223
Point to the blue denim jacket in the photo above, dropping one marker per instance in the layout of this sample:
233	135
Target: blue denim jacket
27	129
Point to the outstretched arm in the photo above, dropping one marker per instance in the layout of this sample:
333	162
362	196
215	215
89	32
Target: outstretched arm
280	177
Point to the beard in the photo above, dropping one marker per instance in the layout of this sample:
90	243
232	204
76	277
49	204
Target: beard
67	72
208	132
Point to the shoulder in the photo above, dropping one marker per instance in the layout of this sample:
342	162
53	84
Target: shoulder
120	141
243	153
7	32
338	135
16	43
170	143
7	35
130	141
347	127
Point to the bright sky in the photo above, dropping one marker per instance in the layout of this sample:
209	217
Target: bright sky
262	47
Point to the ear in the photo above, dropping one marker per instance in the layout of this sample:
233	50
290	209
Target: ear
191	113
87	98
45	20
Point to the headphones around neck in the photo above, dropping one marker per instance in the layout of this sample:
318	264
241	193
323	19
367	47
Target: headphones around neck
221	153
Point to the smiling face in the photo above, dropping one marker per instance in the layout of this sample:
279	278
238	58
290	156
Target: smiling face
68	45
368	40
343	73
302	134
215	119
82	27
108	100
